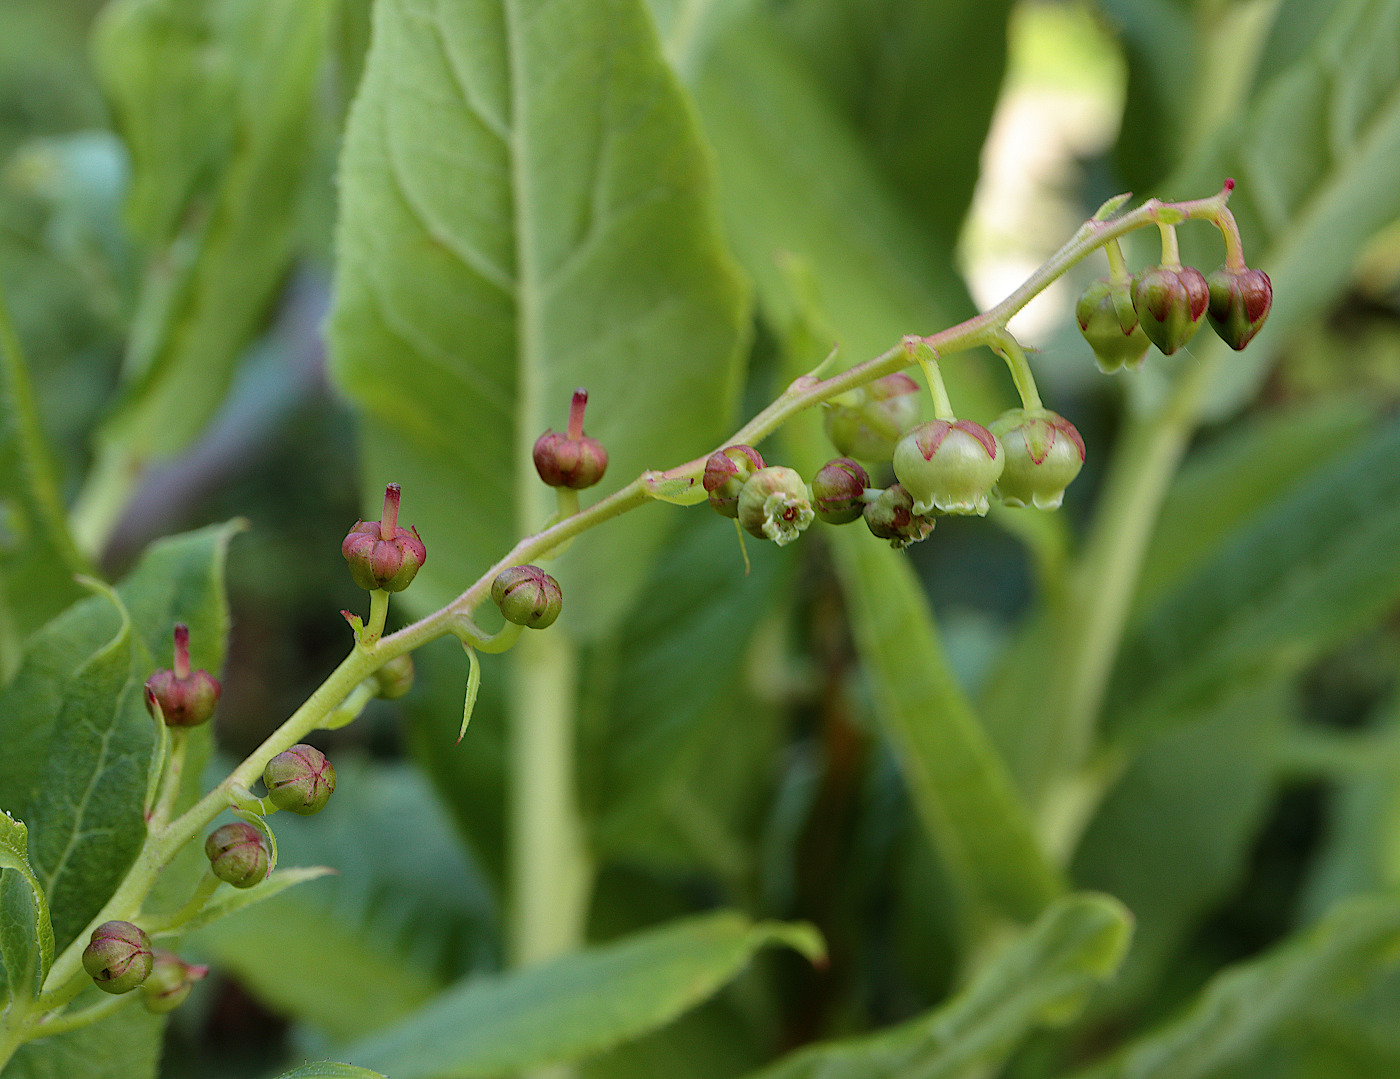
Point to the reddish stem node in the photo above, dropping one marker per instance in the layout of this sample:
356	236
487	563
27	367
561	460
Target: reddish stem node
576	408
182	650
389	519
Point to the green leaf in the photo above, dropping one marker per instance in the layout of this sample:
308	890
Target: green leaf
960	785
1312	154
327	1069
405	919
74	725
527	208
37	556
122	1046
230	901
1042	978
1249	1002
580	1004
215	101
26	936
1317	566
873	58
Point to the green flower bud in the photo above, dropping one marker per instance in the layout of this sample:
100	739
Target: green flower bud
170	982
774	505
1108	322
1043	455
869	426
527	596
300	779
726	472
837	491
1239	304
572	459
892	517
949	465
395	678
237	854
1170	302
118	957
185	698
380	553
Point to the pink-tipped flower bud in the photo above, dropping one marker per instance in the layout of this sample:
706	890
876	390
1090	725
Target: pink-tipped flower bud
1110	324
868	426
528	596
118	957
838	491
380	553
300	779
185	697
949	465
1043	455
892	517
237	854
1170	303
572	459
726	472
170	982
395	678
1239	303
774	505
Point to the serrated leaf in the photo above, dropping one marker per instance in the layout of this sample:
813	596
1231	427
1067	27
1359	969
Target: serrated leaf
1318	565
526	208
1249	1002
26	935
583	1003
74	726
1043	978
215	100
327	1069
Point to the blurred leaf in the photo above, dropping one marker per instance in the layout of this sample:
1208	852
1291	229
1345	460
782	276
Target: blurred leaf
122	1046
526	208
654	696
580	1004
1195	797
37	556
214	99
1310	570
1249	1002
798	184
327	1069
1043	977
1312	154
874	59
81	670
405	911
1249	466
26	935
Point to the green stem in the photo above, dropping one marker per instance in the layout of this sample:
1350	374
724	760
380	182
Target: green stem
942	403
1011	351
378	615
552	871
94	1013
164	923
1117	264
1171	251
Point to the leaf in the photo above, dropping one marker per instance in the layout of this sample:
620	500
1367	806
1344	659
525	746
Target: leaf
74	726
1314	568
403	918
226	902
215	100
327	1069
580	1004
122	1046
1249	1002
1311	153
1042	978
527	208
37	556
873	59
26	935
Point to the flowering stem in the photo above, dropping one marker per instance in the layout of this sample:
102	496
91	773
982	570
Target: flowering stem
942	405
1010	350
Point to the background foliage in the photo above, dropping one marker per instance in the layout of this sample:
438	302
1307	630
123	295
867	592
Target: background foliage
1158	842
